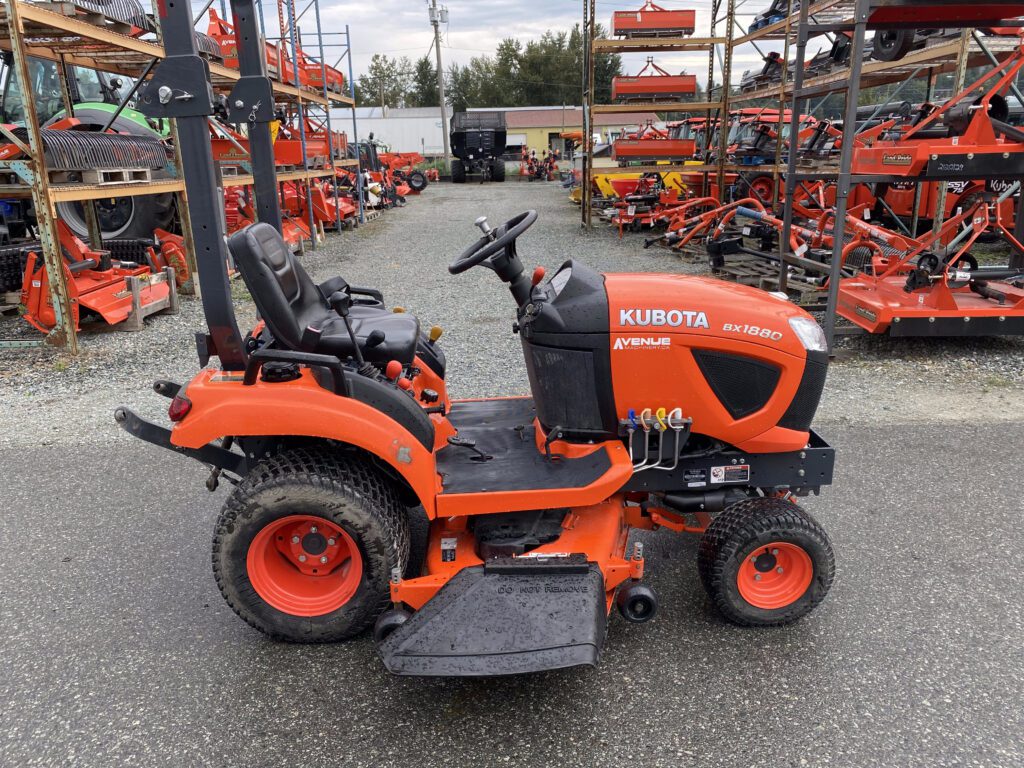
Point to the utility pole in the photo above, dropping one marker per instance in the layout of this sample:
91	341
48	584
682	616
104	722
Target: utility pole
439	16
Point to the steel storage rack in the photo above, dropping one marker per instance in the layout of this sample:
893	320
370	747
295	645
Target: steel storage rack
664	38
295	40
829	72
855	17
34	30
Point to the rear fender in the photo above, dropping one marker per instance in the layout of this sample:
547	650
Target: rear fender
222	405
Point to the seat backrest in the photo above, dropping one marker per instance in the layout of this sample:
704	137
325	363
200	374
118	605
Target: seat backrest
286	297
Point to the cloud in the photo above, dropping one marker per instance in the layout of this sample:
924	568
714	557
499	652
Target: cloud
402	28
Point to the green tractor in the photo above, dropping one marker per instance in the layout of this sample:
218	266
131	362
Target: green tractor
95	96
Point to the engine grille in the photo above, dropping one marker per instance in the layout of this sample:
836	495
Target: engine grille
801	411
743	385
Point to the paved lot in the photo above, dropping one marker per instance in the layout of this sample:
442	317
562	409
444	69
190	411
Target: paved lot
117	649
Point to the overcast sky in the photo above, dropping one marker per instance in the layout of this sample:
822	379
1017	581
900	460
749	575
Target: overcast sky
475	27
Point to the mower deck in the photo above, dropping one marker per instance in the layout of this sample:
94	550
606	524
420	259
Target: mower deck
881	305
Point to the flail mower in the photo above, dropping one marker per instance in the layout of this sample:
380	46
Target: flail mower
658	401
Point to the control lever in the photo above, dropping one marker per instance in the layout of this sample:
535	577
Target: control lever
465	442
484	227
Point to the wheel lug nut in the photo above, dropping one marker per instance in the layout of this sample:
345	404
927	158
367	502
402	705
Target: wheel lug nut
295	539
757	577
302	558
775	551
779	569
312	529
330	542
323	559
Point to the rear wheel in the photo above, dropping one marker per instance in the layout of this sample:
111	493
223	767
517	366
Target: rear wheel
123	218
458	172
892	44
304	547
498	170
765	562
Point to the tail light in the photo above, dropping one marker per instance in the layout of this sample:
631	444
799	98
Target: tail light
179	408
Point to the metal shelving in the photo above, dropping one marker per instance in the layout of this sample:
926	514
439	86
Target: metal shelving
708	43
30	30
852	16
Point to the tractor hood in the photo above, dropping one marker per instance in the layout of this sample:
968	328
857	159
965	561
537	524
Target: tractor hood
660	303
747	366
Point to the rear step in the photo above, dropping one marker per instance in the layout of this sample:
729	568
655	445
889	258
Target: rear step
510	616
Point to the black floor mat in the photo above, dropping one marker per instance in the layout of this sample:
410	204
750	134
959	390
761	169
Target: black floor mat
503	429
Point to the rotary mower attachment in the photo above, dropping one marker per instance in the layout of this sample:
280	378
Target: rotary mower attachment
117	290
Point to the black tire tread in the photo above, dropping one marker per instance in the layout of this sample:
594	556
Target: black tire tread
736	525
330	471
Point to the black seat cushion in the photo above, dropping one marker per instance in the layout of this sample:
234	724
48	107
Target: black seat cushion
289	302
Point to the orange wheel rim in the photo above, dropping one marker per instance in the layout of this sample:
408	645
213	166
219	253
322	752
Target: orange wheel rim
775	575
304	565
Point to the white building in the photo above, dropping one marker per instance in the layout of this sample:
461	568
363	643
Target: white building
403	130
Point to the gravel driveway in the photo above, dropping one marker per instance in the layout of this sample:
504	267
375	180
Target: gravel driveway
48	398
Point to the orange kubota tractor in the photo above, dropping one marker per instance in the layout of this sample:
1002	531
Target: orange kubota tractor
657	401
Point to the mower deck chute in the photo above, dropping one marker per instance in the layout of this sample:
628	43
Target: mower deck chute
512	615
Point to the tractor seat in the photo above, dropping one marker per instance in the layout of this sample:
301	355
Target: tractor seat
290	302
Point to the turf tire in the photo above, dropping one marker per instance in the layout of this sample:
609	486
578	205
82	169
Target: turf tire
341	489
739	530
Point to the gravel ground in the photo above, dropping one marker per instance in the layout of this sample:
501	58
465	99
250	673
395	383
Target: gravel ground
405	253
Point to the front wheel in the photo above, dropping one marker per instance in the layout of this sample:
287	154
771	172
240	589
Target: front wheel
498	170
305	546
417	181
765	562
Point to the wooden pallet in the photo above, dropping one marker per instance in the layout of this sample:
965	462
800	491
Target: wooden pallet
134	321
9	302
751	270
102	176
88	15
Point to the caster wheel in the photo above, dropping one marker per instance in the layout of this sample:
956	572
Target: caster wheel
388	622
637	603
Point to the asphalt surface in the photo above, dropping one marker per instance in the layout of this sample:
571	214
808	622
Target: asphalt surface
117	648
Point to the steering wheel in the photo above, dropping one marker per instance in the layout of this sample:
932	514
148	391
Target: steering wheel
493	242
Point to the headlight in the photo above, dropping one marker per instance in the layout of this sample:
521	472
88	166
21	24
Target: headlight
809	333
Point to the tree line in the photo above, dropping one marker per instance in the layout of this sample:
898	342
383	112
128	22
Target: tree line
543	72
